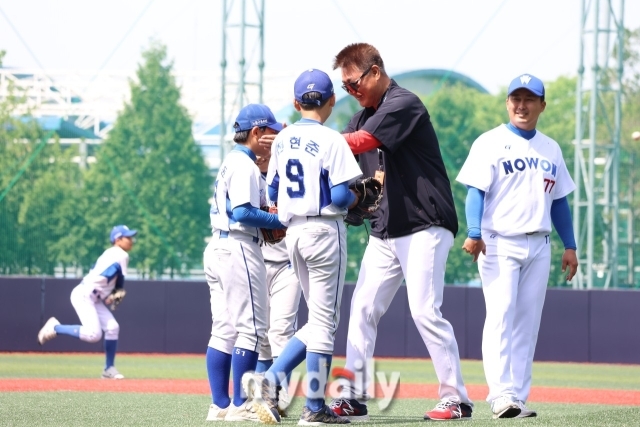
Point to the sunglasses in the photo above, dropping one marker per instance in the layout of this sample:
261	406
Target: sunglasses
354	86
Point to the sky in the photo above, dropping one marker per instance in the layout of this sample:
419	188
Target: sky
491	41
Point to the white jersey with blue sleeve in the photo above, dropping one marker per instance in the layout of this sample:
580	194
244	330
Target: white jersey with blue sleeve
110	269
238	182
307	159
521	179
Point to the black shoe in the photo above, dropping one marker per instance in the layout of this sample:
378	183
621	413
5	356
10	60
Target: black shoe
350	409
322	417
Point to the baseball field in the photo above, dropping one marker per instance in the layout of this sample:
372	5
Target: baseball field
171	390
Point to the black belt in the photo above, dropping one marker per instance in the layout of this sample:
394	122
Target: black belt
529	234
225	234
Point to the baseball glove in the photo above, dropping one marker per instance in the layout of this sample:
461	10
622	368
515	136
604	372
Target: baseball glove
369	193
271	236
115	298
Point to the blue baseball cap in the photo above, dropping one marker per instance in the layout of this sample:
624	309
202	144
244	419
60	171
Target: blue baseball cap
313	81
121	231
256	115
529	82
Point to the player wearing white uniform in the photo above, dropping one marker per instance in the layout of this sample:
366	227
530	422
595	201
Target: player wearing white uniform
91	295
284	298
309	173
517	186
235	268
411	233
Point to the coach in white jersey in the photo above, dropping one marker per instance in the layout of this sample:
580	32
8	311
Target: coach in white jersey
309	172
235	268
517	186
91	295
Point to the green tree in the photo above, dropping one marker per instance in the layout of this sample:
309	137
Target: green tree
151	175
38	194
459	115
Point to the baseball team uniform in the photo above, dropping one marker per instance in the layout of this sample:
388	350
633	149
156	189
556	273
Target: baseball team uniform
88	298
235	268
521	178
284	298
411	234
309	171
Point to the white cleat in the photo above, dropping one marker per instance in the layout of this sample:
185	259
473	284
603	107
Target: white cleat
216	414
48	332
505	407
244	412
112	374
525	412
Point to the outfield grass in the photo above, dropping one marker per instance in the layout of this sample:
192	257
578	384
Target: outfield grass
136	409
412	371
126	409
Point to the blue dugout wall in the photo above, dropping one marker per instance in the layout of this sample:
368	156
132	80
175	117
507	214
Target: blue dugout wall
175	317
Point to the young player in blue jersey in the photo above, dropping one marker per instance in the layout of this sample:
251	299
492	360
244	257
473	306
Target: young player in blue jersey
91	297
309	172
234	266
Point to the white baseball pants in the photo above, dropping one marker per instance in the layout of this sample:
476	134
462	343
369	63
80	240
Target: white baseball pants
318	251
514	274
94	316
237	282
420	258
284	297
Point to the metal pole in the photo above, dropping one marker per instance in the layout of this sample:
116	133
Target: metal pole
242	63
630	237
223	81
261	63
578	154
616	141
592	148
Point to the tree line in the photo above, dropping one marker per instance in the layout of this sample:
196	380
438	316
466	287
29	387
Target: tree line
150	174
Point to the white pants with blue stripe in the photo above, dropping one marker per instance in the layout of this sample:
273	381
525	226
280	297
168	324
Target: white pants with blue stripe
318	252
236	275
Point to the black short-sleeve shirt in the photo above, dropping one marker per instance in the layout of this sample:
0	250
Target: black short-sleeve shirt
417	191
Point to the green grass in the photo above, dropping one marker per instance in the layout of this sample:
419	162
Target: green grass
131	409
412	371
127	409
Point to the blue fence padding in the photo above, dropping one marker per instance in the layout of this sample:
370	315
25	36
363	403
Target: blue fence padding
175	317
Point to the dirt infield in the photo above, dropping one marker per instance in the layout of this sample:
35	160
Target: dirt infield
405	391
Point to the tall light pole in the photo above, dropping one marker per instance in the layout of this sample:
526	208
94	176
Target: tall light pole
597	142
631	279
242	40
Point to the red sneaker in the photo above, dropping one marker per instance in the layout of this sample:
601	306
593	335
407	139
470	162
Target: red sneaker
350	409
449	410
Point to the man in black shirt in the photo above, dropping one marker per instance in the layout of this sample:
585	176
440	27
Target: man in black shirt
411	232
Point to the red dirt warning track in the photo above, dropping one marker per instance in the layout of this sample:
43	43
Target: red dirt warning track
476	392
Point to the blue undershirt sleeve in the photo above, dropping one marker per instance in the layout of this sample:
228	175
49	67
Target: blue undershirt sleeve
254	217
273	192
561	218
341	196
474	208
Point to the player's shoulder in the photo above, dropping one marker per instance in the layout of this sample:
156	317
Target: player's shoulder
400	95
547	139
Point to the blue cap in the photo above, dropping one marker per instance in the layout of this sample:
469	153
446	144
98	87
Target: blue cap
313	81
121	231
529	82
256	115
